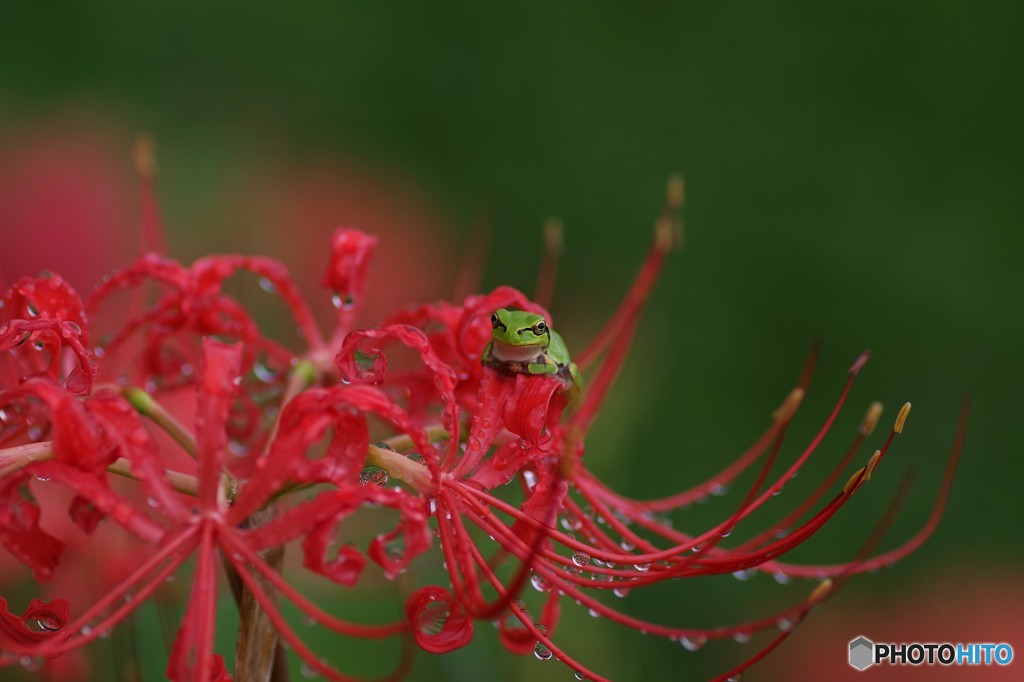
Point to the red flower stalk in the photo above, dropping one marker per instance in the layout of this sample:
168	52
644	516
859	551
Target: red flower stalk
270	421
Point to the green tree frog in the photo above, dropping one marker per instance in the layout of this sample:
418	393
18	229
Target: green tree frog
523	343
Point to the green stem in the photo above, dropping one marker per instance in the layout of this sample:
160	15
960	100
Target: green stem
145	405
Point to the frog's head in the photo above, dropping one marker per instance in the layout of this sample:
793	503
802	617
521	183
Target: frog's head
518	336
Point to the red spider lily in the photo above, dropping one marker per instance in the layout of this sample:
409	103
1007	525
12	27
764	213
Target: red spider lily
300	421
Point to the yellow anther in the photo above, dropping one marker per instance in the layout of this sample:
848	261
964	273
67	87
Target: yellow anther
854	482
675	193
665	237
901	418
867	425
553	236
789	405
872	463
820	591
143	156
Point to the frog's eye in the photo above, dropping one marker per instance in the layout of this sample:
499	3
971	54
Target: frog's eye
494	320
540	328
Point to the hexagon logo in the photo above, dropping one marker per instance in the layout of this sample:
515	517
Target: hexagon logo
862	653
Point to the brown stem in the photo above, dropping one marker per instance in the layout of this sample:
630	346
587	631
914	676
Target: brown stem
259	655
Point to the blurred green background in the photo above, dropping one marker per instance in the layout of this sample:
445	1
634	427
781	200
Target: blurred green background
853	176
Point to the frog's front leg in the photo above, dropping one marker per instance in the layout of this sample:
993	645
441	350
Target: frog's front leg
548	366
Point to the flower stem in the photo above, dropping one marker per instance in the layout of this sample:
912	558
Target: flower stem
145	405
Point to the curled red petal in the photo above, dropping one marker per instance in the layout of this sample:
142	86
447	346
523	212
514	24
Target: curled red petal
46	297
393	550
346	567
439	623
41	620
348	269
20	533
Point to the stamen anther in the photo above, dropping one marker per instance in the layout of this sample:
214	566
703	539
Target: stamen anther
901	418
789	405
870	421
855	481
872	463
820	591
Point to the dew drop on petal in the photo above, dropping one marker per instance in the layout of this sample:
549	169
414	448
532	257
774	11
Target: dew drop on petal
784	624
742	637
581	559
734	678
374	475
718	489
642	567
542	652
519	604
308	671
540	583
432	617
781	578
745	574
620	592
31	663
267	285
570	522
626	545
579	676
694	643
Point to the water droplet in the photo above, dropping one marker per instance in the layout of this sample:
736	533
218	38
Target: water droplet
777	491
31	309
718	489
620	592
153	502
696	548
40	477
781	578
744	574
31	663
432	617
519	604
784	624
570	522
694	643
581	559
542	652
643	568
626	545
725	533
593	613
308	671
530	479
374	475
268	286
264	372
734	678
579	676
416	457
540	583
105	634
237	448
742	637
86	631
